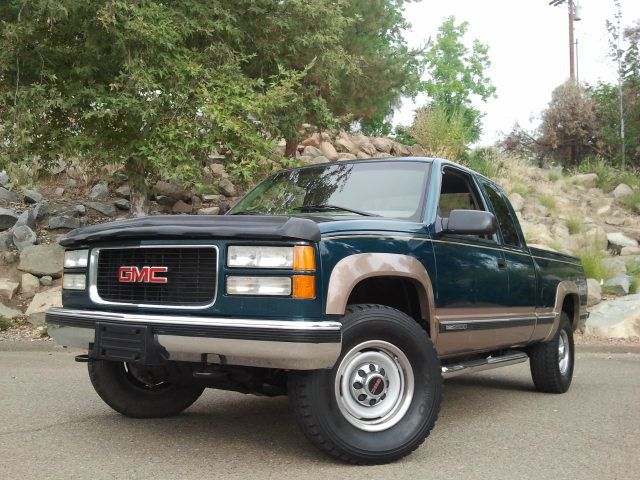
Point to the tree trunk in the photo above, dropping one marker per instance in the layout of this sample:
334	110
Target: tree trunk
291	148
138	189
138	202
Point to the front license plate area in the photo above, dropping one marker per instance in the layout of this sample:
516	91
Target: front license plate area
123	343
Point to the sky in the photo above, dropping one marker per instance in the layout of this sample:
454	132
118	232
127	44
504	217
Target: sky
529	49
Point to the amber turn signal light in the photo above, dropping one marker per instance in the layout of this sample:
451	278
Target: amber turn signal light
304	286
304	258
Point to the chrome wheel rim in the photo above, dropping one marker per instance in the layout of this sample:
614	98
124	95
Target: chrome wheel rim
374	385
563	352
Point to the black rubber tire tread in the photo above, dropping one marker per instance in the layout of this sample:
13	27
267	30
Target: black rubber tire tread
301	393
543	362
111	383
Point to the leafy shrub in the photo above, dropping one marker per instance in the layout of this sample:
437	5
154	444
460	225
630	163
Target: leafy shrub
520	189
548	201
609	177
439	133
485	160
4	324
575	225
592	262
554	175
633	200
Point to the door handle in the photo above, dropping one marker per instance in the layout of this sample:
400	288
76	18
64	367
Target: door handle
501	263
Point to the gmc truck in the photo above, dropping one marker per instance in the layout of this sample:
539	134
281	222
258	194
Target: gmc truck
353	287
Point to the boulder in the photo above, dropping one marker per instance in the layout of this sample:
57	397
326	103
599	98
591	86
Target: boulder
24	237
7	288
329	151
587	180
29	285
100	191
614	221
42	260
42	302
32	196
6	241
346	156
617	241
46	281
213	198
181	207
382	144
26	218
345	145
311	151
7	313
619	318
622	191
227	188
614	266
313	141
320	159
124	191
40	211
517	202
618	286
7	196
4	179
218	170
63	221
594	295
630	251
165	201
8	218
173	190
596	238
400	150
105	209
417	151
209	211
122	204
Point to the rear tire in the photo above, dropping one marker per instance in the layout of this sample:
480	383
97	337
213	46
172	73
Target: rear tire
381	399
134	395
551	362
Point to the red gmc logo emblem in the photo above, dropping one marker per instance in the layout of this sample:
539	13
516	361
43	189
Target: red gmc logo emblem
141	274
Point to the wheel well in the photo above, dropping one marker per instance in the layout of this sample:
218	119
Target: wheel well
395	292
569	306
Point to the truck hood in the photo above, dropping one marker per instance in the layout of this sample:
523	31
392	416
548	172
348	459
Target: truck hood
197	226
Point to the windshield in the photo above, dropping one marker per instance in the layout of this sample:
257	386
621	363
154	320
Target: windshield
391	189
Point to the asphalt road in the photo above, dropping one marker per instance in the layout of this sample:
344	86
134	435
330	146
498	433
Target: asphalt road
492	425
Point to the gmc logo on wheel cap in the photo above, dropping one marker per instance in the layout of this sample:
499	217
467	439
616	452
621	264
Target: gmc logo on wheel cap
142	274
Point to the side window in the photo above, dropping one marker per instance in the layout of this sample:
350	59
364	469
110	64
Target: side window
457	193
505	220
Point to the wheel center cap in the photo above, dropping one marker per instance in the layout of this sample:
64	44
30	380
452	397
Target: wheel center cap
375	385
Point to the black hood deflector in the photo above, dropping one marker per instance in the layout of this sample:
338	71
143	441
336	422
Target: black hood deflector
197	227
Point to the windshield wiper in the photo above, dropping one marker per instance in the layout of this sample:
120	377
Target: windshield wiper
322	207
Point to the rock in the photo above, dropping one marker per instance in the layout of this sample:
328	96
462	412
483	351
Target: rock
346	156
32	196
618	240
24	237
622	191
363	155
181	207
417	151
382	144
400	150
345	145
105	209
4	179
313	141
8	258
29	285
560	231
7	313
320	159
618	286
630	251
218	170
619	318
40	211
7	196
122	204
165	201
196	202
26	218
594	295
213	198
100	191
227	188
42	302
173	190
587	180
6	241
42	260
615	221
58	192
209	211
63	221
7	289
124	191
328	151
46	281
614	266
541	210
71	183
8	218
596	238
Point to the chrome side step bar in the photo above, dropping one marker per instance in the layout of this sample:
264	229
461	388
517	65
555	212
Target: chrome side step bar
510	358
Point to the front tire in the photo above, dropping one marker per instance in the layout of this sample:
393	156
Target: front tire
134	393
381	399
551	362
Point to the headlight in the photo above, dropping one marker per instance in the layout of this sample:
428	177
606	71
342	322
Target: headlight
74	281
76	258
300	257
259	286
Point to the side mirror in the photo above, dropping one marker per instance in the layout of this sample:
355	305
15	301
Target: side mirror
470	222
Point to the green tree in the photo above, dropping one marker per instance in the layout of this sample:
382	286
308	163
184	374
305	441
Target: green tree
457	75
155	87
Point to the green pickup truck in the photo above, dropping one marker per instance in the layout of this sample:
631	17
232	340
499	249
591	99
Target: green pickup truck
353	287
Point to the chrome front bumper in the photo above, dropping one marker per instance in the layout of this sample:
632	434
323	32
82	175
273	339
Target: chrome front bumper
295	344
